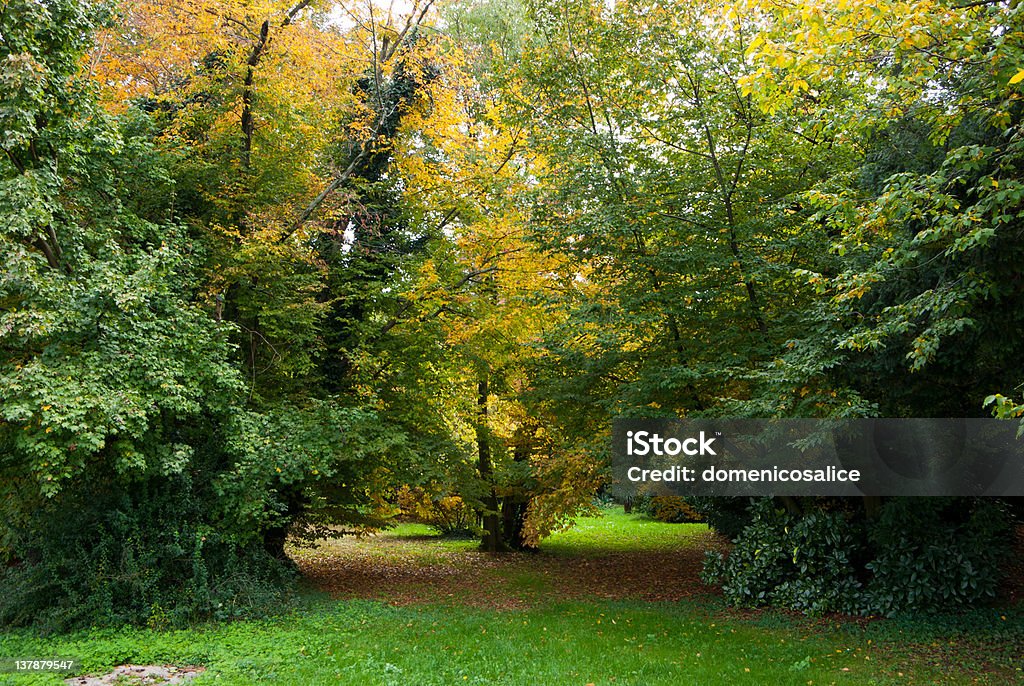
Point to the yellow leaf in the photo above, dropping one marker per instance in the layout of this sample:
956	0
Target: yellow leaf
755	44
1018	77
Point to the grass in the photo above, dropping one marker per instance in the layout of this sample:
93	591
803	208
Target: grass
619	532
551	641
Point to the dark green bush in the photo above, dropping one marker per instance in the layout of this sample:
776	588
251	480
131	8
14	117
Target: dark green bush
933	553
803	563
918	554
139	553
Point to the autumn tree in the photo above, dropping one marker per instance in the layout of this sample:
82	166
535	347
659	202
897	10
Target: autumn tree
668	190
286	119
926	235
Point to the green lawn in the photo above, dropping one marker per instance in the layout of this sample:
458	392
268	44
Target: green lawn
698	641
615	531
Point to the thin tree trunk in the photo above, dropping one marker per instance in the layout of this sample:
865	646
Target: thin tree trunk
491	540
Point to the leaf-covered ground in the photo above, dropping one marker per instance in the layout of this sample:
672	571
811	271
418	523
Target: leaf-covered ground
601	558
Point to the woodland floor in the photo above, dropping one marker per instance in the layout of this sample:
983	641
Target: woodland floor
409	566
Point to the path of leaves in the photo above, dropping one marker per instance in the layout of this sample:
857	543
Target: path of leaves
406	571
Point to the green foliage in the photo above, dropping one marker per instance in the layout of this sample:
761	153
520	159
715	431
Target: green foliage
918	555
134	478
672	509
926	235
198	359
933	553
803	563
142	554
111	380
301	469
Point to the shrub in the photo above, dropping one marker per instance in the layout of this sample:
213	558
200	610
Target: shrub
919	554
782	560
672	509
449	515
935	553
139	555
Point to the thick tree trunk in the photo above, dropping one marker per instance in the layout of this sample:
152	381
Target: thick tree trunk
515	504
872	506
275	538
513	522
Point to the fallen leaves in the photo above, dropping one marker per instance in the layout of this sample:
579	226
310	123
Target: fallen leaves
402	572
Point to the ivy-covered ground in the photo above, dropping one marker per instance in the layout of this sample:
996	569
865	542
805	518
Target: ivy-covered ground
616	600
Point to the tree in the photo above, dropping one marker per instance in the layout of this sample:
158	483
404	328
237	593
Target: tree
114	382
919	286
286	128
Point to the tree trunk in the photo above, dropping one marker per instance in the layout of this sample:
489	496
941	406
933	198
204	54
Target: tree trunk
516	503
491	540
274	538
872	506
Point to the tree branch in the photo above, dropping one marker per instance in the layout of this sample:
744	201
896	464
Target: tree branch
364	152
335	183
255	55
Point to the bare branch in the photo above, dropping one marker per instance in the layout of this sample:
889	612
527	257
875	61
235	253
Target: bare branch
331	187
412	22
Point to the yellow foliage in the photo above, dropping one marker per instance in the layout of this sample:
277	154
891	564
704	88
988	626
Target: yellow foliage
672	508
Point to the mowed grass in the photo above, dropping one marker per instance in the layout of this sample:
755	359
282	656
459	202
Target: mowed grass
615	531
697	641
